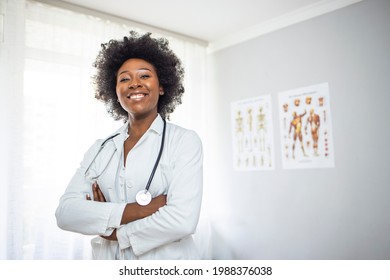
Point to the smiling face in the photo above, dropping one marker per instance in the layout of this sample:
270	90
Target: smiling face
138	88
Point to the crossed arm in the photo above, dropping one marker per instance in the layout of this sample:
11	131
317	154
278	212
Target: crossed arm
133	211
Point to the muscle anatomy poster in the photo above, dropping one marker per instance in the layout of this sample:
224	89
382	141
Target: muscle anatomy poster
306	128
252	128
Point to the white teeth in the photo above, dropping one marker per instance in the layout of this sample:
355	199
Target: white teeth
137	96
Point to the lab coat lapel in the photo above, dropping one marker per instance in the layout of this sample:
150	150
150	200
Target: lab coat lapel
118	141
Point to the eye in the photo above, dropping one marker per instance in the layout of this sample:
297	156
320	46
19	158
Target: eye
145	76
124	79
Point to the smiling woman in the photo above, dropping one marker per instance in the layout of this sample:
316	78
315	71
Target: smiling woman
140	79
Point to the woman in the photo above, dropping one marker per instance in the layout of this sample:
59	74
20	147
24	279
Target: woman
140	189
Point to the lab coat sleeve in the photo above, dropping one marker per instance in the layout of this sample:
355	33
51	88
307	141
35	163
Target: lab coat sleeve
179	218
75	213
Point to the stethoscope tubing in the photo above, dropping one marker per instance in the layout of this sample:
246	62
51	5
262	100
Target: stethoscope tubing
113	136
158	159
96	155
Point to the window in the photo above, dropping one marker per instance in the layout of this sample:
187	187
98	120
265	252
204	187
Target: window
61	118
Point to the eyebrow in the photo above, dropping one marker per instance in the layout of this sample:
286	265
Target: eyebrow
125	71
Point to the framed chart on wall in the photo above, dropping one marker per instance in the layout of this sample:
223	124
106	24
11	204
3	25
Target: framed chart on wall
252	130
306	128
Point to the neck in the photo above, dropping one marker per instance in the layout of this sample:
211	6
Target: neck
139	125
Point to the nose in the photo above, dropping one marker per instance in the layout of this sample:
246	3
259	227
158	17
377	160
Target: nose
134	84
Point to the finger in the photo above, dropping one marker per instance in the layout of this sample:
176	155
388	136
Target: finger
94	192
100	194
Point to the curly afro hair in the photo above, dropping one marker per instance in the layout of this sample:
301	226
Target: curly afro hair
155	51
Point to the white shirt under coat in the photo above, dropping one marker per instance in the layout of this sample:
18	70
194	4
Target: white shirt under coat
167	234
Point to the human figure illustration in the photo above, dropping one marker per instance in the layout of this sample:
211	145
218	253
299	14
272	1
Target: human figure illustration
249	136
239	132
296	123
261	128
314	120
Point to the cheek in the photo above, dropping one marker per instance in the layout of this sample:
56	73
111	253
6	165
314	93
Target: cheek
120	97
119	90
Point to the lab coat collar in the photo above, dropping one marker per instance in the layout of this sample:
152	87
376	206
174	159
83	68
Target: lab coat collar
156	126
118	141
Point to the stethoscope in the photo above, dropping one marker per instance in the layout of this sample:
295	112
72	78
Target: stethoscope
143	197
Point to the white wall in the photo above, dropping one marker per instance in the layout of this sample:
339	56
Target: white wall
334	213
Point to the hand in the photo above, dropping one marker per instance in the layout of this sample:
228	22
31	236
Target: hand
153	206
97	194
112	237
134	211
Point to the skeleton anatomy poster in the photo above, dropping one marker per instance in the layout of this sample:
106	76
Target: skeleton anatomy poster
252	127
306	128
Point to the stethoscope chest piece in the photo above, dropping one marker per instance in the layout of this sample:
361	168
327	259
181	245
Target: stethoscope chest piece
143	197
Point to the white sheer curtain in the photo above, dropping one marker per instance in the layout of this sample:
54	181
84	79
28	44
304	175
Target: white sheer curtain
11	123
49	117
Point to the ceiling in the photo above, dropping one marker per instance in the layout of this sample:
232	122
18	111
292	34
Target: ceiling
206	20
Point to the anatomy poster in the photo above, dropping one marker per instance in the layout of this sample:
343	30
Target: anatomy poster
306	128
253	147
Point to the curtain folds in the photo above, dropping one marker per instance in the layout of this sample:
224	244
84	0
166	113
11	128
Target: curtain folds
11	124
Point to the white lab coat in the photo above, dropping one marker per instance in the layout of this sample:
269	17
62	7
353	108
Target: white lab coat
167	234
